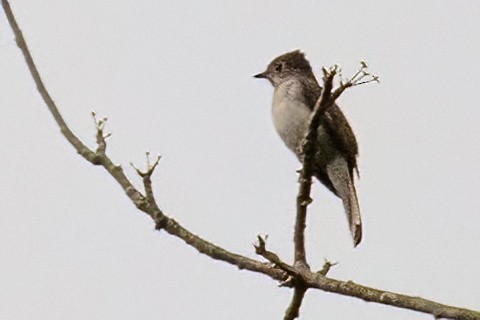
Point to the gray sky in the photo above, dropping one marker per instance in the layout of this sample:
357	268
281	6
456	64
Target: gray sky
176	79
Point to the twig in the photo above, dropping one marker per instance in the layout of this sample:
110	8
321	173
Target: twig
146	176
260	249
293	310
326	267
101	138
308	149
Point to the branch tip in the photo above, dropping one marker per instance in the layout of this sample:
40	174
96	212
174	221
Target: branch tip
99	123
326	267
139	172
260	245
150	167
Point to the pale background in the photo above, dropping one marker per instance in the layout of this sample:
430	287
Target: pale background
176	78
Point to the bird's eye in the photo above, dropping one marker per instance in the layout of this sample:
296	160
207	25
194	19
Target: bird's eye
278	67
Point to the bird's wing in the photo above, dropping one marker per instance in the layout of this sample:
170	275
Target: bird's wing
336	125
342	134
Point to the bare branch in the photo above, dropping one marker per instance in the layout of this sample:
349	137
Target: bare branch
308	150
304	278
143	203
293	310
368	294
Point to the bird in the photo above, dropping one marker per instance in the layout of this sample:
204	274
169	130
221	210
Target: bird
296	90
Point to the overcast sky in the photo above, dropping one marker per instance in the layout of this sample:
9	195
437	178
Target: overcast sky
176	79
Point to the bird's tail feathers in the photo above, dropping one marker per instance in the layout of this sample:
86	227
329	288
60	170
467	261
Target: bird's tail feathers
342	181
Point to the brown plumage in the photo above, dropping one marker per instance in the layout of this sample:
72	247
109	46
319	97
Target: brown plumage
296	92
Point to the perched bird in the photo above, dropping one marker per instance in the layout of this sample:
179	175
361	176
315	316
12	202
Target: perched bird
296	91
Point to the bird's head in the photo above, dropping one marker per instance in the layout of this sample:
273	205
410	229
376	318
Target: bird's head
286	66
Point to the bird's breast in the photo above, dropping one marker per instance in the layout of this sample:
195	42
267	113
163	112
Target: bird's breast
290	116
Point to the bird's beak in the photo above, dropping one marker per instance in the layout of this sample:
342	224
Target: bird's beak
262	75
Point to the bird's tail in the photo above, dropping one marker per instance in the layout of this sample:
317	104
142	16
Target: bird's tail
338	173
